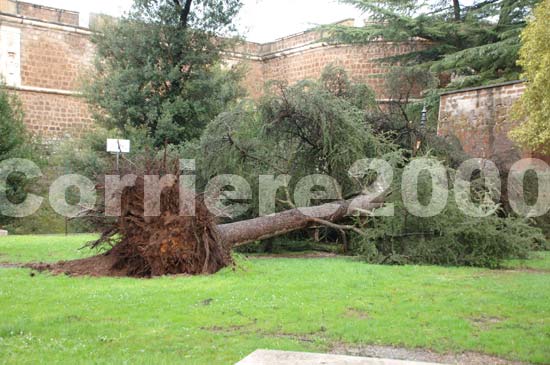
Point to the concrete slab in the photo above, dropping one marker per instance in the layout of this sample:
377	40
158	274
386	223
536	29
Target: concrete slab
267	357
3	233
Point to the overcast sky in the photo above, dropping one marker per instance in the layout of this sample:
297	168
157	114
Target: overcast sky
259	21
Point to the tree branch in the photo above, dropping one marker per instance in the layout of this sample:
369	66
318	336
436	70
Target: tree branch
339	226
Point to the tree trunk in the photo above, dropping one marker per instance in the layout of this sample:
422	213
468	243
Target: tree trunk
183	10
240	233
457	10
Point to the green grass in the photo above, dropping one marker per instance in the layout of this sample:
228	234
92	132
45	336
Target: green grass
537	261
287	304
51	248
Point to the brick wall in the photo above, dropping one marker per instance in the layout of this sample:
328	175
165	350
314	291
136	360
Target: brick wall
52	58
55	53
304	56
54	116
360	62
40	12
480	119
47	13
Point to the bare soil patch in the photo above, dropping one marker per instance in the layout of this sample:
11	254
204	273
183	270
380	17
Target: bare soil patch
102	265
398	353
357	313
485	323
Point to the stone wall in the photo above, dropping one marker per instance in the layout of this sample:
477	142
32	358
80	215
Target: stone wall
49	60
54	59
305	55
44	54
46	13
480	119
54	116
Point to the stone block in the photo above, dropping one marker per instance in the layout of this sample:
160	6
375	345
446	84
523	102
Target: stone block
266	357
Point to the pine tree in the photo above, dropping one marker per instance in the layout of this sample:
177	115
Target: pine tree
476	44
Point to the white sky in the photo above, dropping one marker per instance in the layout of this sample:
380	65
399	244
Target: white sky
259	21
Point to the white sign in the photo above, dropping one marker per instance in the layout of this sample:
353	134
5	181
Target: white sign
118	145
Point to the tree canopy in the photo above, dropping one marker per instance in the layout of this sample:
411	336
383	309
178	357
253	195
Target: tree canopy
475	44
534	105
159	68
12	130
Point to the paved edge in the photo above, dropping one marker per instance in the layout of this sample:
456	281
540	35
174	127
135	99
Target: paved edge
270	357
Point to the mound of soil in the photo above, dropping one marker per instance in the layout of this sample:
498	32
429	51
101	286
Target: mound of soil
102	265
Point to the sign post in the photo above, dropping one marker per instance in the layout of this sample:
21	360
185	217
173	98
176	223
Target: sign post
118	146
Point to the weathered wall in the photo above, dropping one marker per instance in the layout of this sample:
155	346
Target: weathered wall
54	116
305	55
360	62
480	119
54	59
44	13
44	54
44	61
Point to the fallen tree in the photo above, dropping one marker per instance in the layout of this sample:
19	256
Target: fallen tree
172	244
241	233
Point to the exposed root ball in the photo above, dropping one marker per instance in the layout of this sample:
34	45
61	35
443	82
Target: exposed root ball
168	244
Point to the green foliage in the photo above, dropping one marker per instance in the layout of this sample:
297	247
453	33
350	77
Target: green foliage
12	130
477	44
156	71
87	156
534	105
15	143
47	221
286	245
449	238
309	128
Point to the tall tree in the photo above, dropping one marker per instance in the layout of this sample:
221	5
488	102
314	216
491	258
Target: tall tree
14	143
476	44
534	106
12	129
158	68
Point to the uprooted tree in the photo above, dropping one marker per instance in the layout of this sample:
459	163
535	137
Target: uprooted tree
189	241
314	128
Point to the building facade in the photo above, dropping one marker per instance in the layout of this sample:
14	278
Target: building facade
45	54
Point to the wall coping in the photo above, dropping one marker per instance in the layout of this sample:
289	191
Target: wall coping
21	19
310	30
493	86
46	7
43	90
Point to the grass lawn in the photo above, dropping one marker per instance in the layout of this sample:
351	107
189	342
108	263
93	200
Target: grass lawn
286	304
